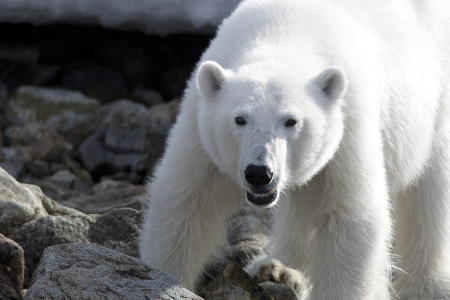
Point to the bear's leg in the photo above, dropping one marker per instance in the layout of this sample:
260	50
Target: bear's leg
340	248
289	246
189	203
423	227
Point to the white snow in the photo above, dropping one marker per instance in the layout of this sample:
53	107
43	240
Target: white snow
150	16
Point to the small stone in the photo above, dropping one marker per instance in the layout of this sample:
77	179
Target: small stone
45	74
9	133
19	53
57	166
115	150
14	168
61	110
132	177
63	178
8	154
43	143
3	96
124	140
56	191
147	96
131	196
84	176
38	168
12	264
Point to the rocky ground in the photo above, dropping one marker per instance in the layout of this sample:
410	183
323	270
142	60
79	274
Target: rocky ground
84	113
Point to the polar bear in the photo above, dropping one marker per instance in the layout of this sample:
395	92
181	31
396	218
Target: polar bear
337	115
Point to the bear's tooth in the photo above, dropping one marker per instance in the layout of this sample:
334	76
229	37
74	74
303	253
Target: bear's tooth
271	191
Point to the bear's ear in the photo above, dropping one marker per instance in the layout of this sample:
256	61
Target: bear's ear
332	82
210	78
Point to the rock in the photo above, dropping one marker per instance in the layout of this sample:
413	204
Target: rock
63	185
122	141
110	185
9	154
147	96
120	114
63	178
173	81
22	203
14	168
17	73
19	53
118	229
106	153
132	177
233	283
85	178
45	74
42	142
39	168
35	222
106	94
126	142
52	189
279	291
133	61
162	116
80	271
82	76
39	234
10	132
61	110
12	269
110	197
3	96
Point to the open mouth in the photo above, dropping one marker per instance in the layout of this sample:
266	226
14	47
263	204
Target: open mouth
261	197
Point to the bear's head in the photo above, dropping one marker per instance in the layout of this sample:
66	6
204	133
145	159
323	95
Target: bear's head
268	130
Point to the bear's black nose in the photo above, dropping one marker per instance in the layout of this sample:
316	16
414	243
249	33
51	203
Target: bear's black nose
258	175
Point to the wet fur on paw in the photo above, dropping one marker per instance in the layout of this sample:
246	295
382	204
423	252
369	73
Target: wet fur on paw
269	269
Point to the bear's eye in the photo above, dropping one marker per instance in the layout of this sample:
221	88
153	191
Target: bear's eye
290	123
240	121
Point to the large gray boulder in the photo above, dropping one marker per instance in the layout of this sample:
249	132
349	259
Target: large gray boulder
12	269
117	229
36	222
22	203
82	271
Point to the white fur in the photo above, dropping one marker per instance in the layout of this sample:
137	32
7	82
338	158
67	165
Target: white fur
374	137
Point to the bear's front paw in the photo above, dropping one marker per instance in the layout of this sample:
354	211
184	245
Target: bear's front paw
269	269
